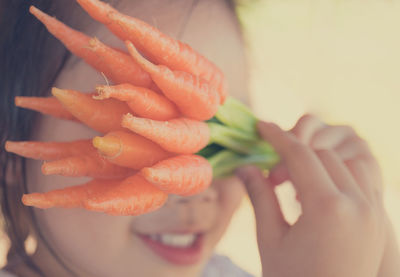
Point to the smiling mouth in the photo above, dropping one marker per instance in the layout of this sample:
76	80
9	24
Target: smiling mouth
175	240
176	248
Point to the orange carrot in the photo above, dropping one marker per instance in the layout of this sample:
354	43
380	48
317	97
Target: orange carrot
142	101
129	150
194	97
69	197
154	44
92	165
114	63
49	150
182	135
183	175
45	105
103	116
121	67
133	196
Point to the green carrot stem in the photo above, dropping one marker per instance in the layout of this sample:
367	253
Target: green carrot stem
226	161
228	137
209	150
234	141
237	140
235	114
220	159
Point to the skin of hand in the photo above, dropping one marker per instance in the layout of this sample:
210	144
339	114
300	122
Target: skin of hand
343	229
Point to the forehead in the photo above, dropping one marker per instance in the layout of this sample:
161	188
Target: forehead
208	26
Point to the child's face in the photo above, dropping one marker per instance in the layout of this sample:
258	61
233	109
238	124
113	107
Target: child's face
97	244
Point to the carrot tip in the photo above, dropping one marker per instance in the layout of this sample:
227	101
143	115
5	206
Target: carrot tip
17	101
27	200
37	13
147	173
59	93
126	118
35	199
109	146
48	169
9	146
103	93
93	43
132	49
33	9
63	95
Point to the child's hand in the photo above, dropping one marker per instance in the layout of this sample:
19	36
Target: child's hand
348	145
342	230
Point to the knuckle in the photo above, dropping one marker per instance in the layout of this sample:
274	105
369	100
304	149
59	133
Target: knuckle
329	200
250	179
366	213
333	204
298	148
370	161
348	129
310	117
304	121
378	192
359	140
323	152
307	117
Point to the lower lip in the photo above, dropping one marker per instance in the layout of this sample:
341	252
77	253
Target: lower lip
177	255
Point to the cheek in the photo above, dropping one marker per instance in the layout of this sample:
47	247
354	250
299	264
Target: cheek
91	242
230	194
94	244
84	239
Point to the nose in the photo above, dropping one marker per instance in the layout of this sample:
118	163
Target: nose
195	210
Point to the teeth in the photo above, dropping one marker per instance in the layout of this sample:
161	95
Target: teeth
181	240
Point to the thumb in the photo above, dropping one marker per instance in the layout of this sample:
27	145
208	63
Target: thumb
269	219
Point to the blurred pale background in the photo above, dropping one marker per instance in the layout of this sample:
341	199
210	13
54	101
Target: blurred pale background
337	59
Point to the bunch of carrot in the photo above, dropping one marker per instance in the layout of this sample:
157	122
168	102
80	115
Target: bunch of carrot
167	122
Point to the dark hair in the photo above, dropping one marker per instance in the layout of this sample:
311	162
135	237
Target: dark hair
30	61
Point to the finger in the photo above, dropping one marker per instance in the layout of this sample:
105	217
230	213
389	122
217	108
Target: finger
376	173
365	180
330	137
352	147
357	148
270	222
306	127
306	171
278	174
339	173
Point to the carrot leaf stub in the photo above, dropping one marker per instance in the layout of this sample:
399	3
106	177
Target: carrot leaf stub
234	141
